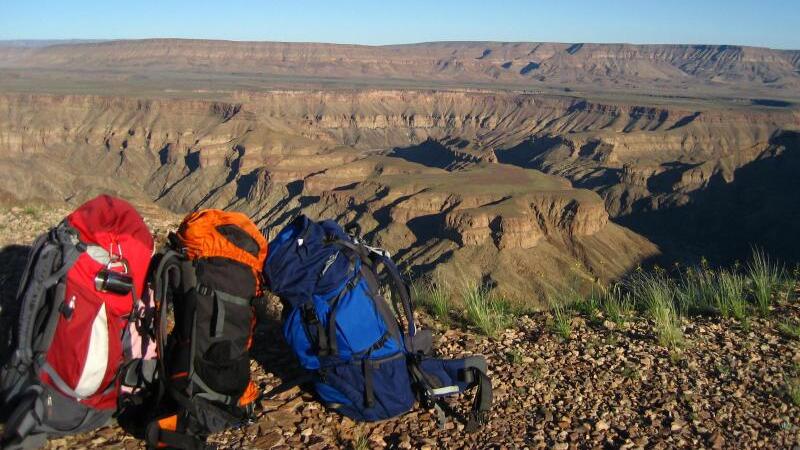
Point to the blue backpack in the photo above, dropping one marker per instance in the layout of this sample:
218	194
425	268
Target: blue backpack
365	357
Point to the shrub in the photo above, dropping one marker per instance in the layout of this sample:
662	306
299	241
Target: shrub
655	294
765	277
488	313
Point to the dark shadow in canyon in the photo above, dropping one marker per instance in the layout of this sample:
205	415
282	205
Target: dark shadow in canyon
429	153
770	103
525	154
682	122
723	222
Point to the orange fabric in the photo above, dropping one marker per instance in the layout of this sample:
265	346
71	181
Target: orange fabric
250	394
169	423
200	239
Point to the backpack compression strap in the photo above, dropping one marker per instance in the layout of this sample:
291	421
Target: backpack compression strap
483	399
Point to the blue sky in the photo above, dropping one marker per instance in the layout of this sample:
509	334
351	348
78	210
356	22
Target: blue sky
770	23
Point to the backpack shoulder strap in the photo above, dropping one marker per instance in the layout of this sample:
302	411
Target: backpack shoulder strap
51	257
166	276
368	271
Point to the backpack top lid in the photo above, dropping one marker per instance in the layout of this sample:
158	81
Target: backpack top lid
114	225
302	263
210	233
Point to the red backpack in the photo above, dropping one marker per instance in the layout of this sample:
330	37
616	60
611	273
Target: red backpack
74	311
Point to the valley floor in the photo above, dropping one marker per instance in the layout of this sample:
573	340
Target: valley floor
609	385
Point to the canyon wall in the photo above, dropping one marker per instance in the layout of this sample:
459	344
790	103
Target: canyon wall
518	189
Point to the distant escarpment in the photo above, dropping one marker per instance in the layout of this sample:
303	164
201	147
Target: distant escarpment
621	67
523	190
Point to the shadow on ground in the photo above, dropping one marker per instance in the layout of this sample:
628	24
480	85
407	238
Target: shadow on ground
270	350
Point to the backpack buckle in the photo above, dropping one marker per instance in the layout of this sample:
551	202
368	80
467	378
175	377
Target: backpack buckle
203	290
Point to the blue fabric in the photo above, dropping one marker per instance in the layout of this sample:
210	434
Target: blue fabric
297	257
358	324
343	386
305	269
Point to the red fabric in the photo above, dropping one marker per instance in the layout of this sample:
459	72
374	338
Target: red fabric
112	224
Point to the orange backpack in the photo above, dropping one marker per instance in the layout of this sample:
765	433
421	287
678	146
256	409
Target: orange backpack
210	273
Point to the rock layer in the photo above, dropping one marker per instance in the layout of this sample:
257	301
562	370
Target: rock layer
429	174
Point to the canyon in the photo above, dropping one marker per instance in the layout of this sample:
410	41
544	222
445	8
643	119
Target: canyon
528	166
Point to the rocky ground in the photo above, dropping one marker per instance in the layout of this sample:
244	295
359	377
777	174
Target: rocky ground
609	386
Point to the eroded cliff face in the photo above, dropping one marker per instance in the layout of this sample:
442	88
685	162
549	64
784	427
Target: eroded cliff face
498	184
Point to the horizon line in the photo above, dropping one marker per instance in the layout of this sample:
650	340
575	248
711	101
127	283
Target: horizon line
79	41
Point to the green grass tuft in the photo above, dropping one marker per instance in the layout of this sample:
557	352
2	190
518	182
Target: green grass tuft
695	292
617	305
589	306
514	357
655	294
562	319
790	330
31	211
488	313
434	296
360	441
766	278
729	296
793	390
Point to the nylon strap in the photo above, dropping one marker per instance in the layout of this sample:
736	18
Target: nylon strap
369	392
308	312
332	341
219	321
64	387
232	299
211	394
482	403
